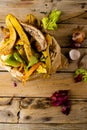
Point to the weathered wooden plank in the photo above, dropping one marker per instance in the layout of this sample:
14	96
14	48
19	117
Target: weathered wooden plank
73	17
40	9
65	4
42	87
40	111
73	65
26	110
43	126
64	34
8	110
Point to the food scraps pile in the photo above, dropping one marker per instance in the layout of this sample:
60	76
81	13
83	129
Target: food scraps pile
27	50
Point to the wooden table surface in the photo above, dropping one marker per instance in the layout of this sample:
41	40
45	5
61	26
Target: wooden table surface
28	108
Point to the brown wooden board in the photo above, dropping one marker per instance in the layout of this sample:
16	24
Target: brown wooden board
39	110
42	87
43	126
28	107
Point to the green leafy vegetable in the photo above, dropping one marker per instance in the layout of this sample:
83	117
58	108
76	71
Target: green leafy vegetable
33	60
50	22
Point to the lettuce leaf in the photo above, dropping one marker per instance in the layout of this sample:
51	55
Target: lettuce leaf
50	22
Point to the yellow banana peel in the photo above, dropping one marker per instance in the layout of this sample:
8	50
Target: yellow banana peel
7	44
46	53
21	34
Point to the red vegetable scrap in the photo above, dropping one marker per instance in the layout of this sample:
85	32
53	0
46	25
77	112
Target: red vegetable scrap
66	107
15	84
80	75
60	98
79	78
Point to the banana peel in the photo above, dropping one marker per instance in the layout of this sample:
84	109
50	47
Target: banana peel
21	34
19	44
5	31
7	44
32	20
46	53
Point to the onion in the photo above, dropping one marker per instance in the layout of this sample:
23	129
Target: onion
74	54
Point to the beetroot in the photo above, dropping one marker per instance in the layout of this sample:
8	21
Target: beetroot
80	75
60	98
79	78
66	107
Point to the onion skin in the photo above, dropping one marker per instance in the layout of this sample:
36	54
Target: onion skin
78	36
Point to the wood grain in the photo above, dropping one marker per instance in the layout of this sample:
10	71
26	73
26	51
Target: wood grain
64	33
39	110
42	87
8	110
43	126
28	107
69	8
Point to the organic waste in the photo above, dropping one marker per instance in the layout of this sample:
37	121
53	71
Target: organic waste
78	37
27	50
61	98
50	22
74	54
80	75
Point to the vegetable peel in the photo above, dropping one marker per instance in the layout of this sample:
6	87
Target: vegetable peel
30	71
31	50
7	45
22	35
